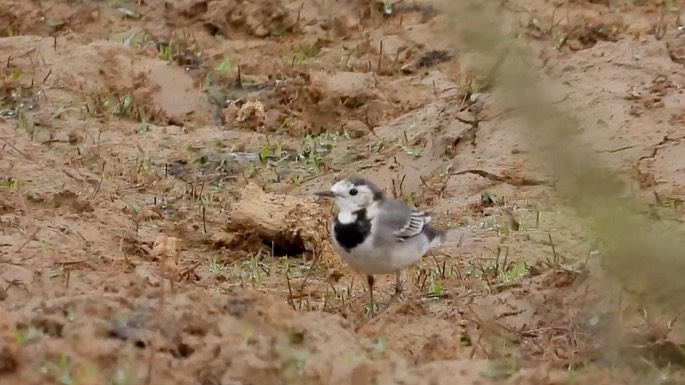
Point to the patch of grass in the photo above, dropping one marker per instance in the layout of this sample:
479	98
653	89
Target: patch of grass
9	183
225	67
251	171
273	153
33	196
411	199
146	165
246	333
218	192
54	273
23	338
255	268
377	146
513	272
314	150
215	267
17	98
61	370
499	270
132	207
671	6
218	78
431	280
309	159
143	127
296	179
250	268
118	104
305	51
505	221
407	148
287	123
180	52
437	286
136	40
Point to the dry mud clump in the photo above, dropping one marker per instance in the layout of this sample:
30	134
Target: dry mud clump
157	224
291	225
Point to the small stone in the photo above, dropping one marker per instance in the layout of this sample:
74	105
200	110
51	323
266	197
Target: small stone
356	129
149	274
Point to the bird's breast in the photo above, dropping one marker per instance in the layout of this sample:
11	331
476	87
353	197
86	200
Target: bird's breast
351	235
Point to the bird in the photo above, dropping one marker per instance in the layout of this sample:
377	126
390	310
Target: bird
377	235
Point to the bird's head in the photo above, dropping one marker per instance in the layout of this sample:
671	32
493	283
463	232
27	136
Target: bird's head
353	194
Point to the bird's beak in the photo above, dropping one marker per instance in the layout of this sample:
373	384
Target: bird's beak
326	193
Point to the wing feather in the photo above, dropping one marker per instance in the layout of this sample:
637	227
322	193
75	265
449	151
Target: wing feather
414	225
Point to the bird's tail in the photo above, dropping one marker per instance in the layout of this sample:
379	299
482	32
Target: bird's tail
455	236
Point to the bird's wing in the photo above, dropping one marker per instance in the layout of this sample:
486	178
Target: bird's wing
414	226
404	221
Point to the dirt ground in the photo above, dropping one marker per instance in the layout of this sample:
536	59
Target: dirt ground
158	225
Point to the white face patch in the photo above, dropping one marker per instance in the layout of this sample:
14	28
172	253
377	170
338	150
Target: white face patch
342	188
351	198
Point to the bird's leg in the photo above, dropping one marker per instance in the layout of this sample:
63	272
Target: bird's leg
370	281
399	287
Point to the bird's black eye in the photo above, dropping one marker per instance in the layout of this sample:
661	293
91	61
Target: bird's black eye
354	192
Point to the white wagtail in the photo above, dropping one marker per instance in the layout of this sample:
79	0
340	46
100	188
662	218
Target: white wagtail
377	235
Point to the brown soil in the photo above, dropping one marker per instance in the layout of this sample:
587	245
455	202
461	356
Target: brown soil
158	227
